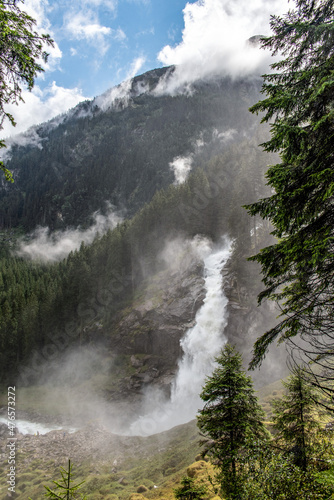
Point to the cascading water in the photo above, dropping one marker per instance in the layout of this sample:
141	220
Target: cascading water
201	344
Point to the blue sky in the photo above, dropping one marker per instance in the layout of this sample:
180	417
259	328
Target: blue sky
100	43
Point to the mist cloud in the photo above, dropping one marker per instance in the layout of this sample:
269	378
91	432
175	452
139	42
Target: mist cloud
181	166
53	247
121	94
30	137
179	253
214	41
74	381
40	106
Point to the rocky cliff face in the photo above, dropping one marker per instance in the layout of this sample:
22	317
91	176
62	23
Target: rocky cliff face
247	321
149	332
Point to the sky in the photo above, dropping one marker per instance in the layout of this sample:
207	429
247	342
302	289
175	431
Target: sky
100	43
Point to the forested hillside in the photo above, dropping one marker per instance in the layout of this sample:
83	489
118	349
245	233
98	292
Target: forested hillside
37	299
93	283
74	164
122	156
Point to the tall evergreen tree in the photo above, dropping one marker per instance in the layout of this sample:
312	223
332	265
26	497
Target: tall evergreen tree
298	270
297	421
232	418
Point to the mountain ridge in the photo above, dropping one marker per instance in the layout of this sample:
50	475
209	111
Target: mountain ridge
122	156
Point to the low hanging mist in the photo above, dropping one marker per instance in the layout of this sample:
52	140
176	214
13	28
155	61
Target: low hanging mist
53	247
200	345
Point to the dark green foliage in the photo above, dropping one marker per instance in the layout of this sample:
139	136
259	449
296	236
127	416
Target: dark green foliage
232	419
296	418
190	490
298	268
325	477
65	489
20	49
289	467
27	293
273	475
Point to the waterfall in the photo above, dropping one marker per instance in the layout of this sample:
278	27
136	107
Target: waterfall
200	345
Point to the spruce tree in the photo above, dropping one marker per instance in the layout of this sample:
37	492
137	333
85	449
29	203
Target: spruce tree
65	489
297	421
231	418
298	270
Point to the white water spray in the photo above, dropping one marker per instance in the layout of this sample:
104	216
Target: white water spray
201	344
28	427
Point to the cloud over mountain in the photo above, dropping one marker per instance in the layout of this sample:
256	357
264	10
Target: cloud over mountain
214	39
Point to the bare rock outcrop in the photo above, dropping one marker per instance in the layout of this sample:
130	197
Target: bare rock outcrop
157	321
150	331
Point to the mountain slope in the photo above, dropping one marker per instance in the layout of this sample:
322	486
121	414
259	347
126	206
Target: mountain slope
118	148
124	292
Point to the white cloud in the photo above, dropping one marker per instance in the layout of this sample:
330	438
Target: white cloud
54	58
82	27
172	32
181	166
111	5
214	39
85	26
119	34
149	31
136	65
52	247
120	95
145	2
40	106
37	9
